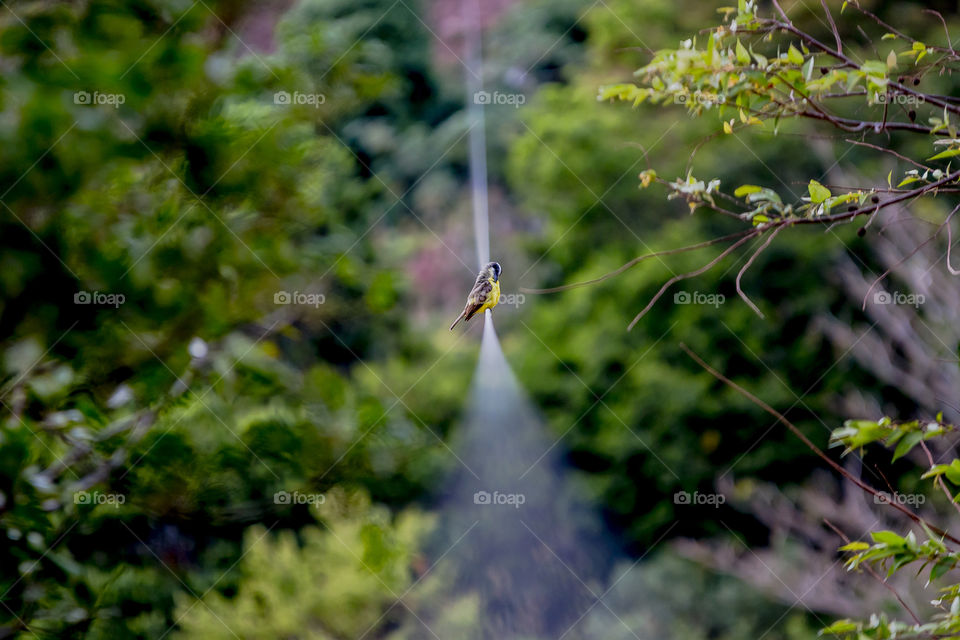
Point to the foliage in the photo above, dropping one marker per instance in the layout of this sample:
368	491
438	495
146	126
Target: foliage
329	582
143	444
756	72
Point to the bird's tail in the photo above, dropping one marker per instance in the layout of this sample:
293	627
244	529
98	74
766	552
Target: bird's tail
459	318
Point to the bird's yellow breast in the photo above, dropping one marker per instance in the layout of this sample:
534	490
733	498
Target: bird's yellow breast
494	296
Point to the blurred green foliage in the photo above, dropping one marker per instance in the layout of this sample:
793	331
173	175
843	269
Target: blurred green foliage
201	198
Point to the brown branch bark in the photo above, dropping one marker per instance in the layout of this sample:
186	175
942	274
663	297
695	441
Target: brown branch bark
635	261
823	456
690	274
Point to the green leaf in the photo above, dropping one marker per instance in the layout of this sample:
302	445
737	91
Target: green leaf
908	180
874	68
818	192
840	627
794	55
746	189
953	472
909	441
942	566
743	56
937	470
855	546
949	153
888	537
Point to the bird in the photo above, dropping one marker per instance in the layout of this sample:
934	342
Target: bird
484	295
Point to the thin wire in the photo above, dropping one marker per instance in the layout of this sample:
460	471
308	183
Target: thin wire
478	135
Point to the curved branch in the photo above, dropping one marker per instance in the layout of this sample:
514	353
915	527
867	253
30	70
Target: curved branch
909	255
890	151
833	26
873	572
756	253
691	274
636	261
880	497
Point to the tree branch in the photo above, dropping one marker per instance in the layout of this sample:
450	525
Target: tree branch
799	434
691	274
635	261
756	253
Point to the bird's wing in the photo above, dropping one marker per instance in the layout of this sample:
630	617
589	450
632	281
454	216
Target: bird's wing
480	293
477	298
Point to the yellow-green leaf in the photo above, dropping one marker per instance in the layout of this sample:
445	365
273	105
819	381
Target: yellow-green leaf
794	55
746	189
743	56
818	192
949	153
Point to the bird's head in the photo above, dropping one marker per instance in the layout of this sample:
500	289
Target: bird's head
492	269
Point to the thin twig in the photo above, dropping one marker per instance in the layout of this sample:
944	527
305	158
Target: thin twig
799	434
943	485
756	253
635	261
873	572
833	25
908	256
955	272
690	274
890	151
945	30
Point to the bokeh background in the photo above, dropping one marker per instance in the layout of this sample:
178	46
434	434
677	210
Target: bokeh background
209	295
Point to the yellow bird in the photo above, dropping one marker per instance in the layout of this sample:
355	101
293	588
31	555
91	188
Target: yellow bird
484	295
